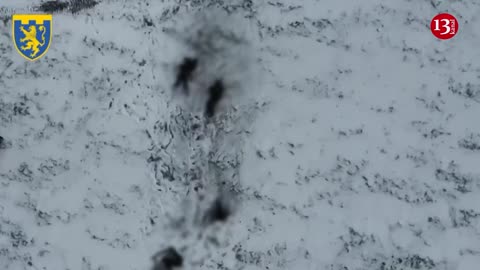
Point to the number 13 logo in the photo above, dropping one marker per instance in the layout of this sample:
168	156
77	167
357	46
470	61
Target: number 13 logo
444	26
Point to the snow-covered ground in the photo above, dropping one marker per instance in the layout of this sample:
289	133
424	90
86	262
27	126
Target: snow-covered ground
351	138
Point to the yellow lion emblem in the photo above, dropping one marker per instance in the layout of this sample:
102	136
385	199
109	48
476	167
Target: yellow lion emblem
31	38
32	34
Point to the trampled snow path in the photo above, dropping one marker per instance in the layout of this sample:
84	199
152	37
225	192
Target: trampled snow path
362	153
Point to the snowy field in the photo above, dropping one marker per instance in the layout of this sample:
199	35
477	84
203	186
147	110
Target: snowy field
349	138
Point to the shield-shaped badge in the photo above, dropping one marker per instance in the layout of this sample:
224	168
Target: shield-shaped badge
32	34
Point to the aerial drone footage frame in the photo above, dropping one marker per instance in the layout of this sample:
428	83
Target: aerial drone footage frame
209	134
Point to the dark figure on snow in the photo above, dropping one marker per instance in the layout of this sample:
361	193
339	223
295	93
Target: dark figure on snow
218	212
167	259
184	72
215	95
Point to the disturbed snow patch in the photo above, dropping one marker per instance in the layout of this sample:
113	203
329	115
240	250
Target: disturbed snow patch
222	50
214	86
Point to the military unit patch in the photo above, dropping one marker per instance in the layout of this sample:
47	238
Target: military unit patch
32	34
